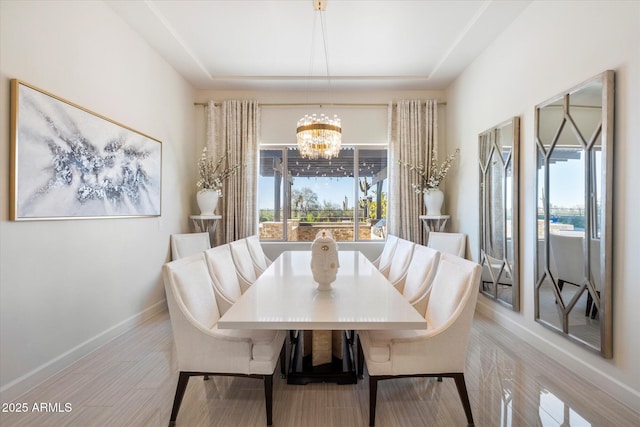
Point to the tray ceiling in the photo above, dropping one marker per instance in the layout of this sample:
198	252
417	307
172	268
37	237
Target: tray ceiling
267	45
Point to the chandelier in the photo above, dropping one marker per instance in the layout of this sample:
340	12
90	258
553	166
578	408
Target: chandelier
319	137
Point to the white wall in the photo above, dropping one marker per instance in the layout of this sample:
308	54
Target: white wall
551	47
360	125
68	286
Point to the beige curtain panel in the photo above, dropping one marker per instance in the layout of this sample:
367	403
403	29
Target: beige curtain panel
413	135
233	127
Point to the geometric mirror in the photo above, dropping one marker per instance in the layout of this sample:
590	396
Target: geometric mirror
574	164
499	252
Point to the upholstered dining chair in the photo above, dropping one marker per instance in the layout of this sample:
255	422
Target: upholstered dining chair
244	264
383	262
567	258
451	243
438	351
400	261
416	284
183	245
260	259
202	348
497	271
224	276
567	253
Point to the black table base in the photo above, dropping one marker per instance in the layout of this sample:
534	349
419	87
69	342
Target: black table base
340	371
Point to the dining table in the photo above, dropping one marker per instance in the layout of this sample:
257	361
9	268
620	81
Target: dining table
286	297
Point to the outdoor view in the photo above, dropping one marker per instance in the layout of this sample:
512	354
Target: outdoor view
566	195
346	195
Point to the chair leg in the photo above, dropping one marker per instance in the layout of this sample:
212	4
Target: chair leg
373	394
560	286
268	396
360	356
464	396
283	361
183	380
594	309
591	310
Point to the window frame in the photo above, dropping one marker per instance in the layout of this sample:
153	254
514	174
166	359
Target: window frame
287	189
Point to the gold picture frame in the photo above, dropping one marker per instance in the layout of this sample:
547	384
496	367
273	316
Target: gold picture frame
68	162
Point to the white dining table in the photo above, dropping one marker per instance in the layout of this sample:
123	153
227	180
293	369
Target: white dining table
286	297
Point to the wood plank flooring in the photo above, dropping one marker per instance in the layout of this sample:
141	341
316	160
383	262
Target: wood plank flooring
131	382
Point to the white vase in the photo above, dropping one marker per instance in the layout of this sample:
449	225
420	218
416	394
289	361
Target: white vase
433	200
207	201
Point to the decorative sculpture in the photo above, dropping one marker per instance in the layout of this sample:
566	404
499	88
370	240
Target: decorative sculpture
324	260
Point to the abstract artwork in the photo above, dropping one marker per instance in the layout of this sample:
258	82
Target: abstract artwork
68	162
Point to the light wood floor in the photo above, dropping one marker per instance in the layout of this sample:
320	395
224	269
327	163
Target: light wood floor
131	382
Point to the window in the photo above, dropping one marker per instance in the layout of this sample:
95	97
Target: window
347	195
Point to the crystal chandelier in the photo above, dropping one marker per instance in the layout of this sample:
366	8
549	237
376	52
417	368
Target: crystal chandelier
319	136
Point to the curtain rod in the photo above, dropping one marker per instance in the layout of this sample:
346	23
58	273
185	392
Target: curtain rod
304	104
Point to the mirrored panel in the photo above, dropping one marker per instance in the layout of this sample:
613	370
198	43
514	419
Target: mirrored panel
498	165
574	137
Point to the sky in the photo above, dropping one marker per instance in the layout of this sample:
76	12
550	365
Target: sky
567	182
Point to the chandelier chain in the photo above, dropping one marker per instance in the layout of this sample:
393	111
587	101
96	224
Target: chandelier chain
319	137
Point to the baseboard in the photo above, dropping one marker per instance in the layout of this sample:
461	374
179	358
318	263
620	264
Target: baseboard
612	386
23	384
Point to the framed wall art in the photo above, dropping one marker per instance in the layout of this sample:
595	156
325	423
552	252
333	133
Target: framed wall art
69	163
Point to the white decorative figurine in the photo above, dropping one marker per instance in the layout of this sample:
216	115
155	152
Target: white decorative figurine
324	260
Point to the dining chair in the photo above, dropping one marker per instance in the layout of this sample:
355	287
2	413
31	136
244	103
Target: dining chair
567	262
451	243
260	259
224	276
183	245
496	271
438	351
383	262
567	258
416	284
400	261
204	349
243	263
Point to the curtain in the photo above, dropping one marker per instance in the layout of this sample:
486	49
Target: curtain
232	127
413	135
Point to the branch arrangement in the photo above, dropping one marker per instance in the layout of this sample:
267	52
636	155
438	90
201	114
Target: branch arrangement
437	172
213	174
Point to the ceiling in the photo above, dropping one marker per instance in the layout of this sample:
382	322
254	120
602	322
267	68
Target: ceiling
267	44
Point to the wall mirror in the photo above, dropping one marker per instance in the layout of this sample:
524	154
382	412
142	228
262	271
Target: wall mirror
574	141
498	161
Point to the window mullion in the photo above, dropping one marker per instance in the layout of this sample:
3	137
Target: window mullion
356	200
286	190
